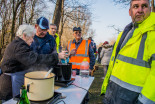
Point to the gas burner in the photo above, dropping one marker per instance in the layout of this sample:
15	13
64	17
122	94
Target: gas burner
64	83
52	100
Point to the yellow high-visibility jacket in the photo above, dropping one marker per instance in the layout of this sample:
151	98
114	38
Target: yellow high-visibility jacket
134	66
57	40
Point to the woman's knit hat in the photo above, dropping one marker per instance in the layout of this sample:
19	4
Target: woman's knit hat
106	42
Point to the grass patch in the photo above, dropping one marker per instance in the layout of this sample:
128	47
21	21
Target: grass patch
95	88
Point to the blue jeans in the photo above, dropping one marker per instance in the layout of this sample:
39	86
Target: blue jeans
17	82
0	71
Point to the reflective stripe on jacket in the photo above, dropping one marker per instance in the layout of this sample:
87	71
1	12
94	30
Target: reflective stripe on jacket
134	66
57	42
82	52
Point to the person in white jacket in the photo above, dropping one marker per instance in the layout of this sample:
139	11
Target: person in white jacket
105	56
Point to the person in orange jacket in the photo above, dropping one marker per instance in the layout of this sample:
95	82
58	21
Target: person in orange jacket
79	49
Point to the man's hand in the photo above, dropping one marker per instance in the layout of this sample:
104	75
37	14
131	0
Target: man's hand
73	51
63	55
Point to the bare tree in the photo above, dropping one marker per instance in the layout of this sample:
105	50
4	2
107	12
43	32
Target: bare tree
78	16
153	5
61	22
127	2
58	12
15	6
22	11
118	30
32	11
16	12
72	13
92	33
5	21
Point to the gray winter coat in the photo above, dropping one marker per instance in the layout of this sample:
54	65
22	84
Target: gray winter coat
105	55
18	57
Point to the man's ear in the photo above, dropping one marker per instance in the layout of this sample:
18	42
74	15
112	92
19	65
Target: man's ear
36	25
129	12
24	37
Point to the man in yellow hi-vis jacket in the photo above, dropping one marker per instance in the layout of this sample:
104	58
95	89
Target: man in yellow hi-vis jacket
131	75
52	31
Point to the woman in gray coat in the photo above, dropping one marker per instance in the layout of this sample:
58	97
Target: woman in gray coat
105	56
18	58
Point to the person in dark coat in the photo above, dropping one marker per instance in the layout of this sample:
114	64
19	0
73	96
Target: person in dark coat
18	58
43	43
99	51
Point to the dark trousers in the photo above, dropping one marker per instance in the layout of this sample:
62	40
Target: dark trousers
5	87
116	94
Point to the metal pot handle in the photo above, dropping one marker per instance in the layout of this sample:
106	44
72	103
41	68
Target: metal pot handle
28	87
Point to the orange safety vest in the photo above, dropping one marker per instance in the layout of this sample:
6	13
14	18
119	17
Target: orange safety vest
81	53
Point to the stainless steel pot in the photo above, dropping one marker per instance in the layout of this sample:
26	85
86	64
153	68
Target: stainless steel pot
38	87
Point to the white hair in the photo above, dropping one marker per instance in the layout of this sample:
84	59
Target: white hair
26	29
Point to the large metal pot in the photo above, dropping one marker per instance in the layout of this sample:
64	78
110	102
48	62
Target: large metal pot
63	72
38	87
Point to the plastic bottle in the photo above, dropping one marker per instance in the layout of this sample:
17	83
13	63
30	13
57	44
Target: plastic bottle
23	98
84	68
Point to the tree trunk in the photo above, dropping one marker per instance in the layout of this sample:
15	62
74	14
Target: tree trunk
2	41
3	31
153	5
22	11
2	36
32	11
15	8
57	13
62	22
